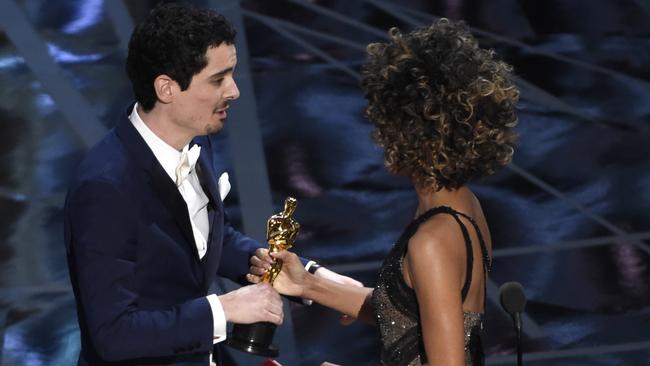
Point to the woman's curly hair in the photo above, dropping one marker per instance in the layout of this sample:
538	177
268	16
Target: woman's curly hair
173	40
442	107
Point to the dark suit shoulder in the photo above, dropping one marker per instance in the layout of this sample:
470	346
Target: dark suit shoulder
108	161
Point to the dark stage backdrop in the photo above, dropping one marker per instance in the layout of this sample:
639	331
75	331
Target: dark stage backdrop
570	218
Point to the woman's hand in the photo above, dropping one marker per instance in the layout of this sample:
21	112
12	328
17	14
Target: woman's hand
290	281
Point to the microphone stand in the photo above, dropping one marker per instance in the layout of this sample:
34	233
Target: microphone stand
517	320
513	302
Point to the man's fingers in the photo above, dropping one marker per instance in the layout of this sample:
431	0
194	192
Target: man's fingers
276	308
253	303
274	312
275	318
258	262
253	279
263	255
258	271
284	255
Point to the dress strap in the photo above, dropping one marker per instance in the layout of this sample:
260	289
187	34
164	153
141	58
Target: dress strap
487	261
412	228
470	255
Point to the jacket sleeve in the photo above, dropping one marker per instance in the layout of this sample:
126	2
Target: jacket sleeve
237	250
102	229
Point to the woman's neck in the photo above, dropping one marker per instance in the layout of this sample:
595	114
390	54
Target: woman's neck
428	199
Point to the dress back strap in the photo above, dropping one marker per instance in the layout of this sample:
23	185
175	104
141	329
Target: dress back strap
487	261
470	255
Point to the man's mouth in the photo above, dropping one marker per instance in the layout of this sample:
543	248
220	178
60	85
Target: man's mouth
222	112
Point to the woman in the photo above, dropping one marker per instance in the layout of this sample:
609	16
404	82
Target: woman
443	111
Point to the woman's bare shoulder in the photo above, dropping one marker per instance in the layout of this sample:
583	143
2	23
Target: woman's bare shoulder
437	237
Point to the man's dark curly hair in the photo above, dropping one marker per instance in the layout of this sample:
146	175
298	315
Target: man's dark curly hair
442	107
173	40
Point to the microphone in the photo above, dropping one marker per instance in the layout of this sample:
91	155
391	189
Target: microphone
513	301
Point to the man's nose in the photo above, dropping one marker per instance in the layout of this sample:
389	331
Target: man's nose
233	91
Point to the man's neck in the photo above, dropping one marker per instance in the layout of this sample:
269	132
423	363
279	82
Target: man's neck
159	122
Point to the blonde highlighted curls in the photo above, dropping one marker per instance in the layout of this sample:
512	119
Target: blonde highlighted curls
442	107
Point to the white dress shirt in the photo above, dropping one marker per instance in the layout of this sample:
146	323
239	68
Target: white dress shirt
194	197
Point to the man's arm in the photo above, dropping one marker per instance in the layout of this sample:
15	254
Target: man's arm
237	249
104	232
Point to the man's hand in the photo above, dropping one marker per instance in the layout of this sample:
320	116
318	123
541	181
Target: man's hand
252	304
343	280
260	262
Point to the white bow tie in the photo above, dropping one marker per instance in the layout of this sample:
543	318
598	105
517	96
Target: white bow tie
187	163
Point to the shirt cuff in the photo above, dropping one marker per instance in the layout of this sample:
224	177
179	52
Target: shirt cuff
307	266
219	319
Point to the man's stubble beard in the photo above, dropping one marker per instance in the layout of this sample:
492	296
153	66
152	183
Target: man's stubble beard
213	129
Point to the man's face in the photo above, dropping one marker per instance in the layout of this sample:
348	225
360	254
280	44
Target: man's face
201	108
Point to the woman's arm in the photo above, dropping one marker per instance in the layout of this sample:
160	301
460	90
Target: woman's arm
434	266
295	281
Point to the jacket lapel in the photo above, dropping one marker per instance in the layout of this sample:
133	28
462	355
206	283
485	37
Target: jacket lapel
162	185
209	184
209	181
170	197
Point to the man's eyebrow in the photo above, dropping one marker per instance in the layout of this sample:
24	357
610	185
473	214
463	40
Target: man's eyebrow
222	73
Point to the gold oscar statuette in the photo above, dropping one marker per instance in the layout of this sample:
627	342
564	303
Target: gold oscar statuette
281	233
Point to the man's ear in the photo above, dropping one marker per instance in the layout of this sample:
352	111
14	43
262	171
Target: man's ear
165	88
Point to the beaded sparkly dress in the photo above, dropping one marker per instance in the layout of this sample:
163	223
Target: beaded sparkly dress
396	307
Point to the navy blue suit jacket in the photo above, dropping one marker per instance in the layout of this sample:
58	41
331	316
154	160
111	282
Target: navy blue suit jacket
138	281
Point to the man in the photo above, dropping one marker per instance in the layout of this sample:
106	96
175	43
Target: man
145	229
